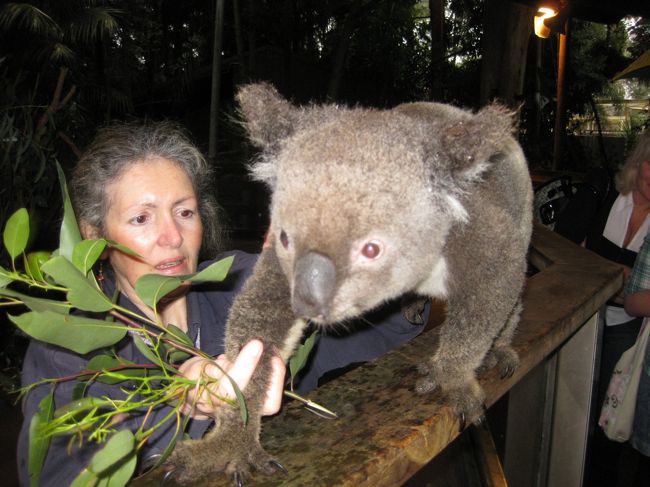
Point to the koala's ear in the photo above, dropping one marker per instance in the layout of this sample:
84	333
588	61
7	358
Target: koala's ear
472	142
267	116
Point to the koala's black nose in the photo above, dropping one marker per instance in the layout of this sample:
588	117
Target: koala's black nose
315	277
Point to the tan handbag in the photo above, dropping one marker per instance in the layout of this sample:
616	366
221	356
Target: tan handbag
617	414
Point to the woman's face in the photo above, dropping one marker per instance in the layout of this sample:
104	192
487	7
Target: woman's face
643	181
153	211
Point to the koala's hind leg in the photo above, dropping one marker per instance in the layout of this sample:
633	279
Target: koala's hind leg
502	355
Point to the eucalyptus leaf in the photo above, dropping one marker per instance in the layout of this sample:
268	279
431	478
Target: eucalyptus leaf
82	404
82	293
122	248
5	278
178	335
69	234
107	362
86	478
121	476
37	304
177	356
16	233
33	263
118	447
300	356
77	333
79	391
153	287
214	272
148	353
86	253
39	443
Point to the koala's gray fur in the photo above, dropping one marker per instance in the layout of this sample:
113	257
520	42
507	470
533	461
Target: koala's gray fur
368	205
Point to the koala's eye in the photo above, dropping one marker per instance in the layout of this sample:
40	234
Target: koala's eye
284	240
371	250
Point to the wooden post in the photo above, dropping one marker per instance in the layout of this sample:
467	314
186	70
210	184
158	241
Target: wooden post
559	131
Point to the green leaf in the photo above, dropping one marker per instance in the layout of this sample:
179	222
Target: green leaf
69	235
107	362
86	478
16	233
178	335
86	253
77	333
299	357
177	356
82	404
5	278
148	353
122	248
39	443
121	476
118	447
153	287
82	293
33	263
37	304
111	466
214	272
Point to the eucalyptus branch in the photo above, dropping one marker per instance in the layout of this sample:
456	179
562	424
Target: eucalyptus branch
180	346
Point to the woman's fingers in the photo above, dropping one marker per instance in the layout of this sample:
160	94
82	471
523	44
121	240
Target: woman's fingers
240	371
276	387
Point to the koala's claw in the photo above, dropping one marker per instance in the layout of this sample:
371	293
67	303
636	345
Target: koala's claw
461	422
238	479
507	371
278	466
481	420
168	477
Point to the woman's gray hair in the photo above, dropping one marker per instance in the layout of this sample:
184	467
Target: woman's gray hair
118	147
626	176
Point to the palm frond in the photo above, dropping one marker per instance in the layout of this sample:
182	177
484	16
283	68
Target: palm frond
29	19
94	23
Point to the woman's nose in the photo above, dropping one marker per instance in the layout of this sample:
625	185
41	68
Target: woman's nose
170	234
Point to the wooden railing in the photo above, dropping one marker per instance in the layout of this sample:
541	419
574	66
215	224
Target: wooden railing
385	432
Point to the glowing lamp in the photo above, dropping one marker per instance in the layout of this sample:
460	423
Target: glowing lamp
541	29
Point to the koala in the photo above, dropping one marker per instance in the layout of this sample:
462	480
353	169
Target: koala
367	206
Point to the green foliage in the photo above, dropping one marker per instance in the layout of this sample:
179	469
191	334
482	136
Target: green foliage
38	442
68	273
16	233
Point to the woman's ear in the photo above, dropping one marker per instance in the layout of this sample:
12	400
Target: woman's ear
88	231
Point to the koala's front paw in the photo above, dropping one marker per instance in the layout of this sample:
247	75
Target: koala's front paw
465	398
505	358
194	460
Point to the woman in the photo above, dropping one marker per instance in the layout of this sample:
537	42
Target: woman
614	229
146	187
637	303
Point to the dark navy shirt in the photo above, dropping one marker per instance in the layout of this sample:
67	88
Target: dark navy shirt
207	311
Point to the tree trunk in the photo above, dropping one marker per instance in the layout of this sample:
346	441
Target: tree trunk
344	40
436	25
243	74
507	28
216	79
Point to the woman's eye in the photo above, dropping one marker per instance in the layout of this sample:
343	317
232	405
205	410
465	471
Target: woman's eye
139	220
187	213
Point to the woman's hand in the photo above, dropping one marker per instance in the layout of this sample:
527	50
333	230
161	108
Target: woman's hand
241	370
